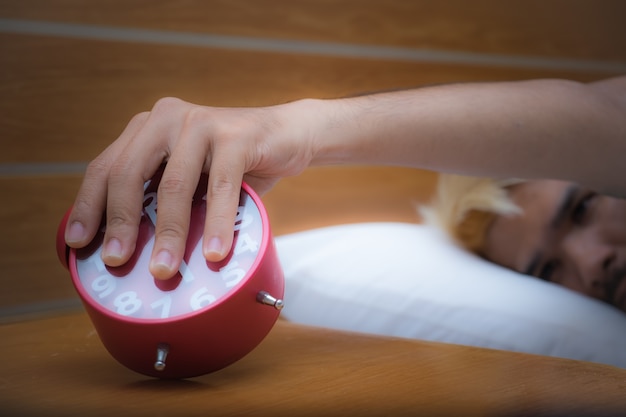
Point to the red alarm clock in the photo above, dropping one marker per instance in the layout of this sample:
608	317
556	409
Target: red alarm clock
206	317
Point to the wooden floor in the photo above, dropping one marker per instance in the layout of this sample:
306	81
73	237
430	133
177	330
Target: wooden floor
72	73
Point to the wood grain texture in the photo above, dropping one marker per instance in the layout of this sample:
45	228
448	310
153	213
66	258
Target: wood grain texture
556	28
31	271
338	195
67	99
58	367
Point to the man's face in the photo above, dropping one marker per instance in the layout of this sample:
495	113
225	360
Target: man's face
567	235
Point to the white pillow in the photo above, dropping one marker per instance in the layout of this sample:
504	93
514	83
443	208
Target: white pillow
410	281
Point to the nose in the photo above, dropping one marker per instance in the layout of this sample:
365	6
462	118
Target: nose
592	258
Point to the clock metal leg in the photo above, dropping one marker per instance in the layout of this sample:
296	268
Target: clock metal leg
267	299
162	351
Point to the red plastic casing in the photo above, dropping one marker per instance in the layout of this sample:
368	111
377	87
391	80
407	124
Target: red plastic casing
199	342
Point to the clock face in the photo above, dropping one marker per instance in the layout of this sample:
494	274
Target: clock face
130	291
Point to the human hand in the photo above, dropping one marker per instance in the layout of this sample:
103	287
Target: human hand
258	145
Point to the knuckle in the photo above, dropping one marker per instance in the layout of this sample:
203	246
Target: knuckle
171	232
222	187
173	184
121	168
99	167
119	219
84	204
139	118
198	119
196	114
221	223
225	133
166	104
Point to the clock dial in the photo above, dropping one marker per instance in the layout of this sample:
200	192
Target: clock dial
131	292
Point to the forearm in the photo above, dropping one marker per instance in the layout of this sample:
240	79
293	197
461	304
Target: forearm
526	129
532	129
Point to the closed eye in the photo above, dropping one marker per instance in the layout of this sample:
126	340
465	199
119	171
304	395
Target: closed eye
581	210
547	271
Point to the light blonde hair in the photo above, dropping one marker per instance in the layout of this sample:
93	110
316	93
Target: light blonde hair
464	207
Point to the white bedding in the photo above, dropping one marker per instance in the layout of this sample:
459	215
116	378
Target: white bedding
410	281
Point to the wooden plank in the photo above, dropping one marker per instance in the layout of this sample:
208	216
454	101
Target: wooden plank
584	29
58	367
329	196
31	271
66	100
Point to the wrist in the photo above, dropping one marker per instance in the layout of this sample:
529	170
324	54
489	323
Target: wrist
327	129
306	125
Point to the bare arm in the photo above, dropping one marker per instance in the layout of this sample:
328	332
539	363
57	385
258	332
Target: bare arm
532	129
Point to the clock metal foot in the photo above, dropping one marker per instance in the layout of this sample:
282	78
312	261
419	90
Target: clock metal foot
265	298
162	351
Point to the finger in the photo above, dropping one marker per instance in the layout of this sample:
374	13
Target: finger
134	165
223	191
124	204
175	195
87	211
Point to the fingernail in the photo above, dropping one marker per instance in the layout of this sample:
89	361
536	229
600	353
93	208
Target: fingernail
163	261
75	233
213	249
113	249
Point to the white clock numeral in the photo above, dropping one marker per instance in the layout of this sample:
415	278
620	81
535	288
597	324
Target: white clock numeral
127	303
104	285
186	272
165	303
201	298
231	274
151	211
245	243
242	219
96	259
152	207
